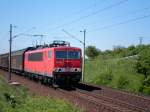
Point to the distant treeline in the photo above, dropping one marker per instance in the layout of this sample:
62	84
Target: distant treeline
117	52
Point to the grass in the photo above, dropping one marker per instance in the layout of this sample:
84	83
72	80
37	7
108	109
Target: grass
42	104
116	73
17	99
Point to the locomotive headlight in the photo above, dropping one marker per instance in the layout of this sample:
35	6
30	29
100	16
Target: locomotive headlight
59	70
76	70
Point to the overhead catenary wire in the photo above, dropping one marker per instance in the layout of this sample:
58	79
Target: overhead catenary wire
28	30
120	23
125	15
92	14
80	11
130	13
72	36
84	9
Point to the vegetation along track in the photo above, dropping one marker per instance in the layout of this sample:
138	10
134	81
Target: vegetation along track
94	99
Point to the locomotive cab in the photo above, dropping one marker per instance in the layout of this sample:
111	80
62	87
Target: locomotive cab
68	65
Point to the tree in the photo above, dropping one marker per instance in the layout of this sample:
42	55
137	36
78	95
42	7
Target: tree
143	62
119	51
131	51
92	52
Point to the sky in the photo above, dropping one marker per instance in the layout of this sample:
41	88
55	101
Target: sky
108	23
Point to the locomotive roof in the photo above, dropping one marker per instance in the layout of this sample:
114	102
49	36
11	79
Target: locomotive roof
60	48
55	45
65	47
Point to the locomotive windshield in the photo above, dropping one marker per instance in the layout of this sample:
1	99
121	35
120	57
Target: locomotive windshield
61	54
73	54
68	54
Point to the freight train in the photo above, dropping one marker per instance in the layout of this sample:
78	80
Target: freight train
57	63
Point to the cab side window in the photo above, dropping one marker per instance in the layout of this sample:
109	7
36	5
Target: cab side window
35	56
50	54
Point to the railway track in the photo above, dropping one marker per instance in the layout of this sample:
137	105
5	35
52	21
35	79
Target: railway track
92	98
100	105
121	98
123	106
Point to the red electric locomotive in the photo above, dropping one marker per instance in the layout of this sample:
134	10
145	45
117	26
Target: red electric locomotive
57	63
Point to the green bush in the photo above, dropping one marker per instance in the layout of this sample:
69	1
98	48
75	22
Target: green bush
143	62
145	88
114	73
146	82
122	82
104	78
91	52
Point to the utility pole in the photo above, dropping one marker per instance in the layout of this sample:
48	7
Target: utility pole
83	65
10	46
